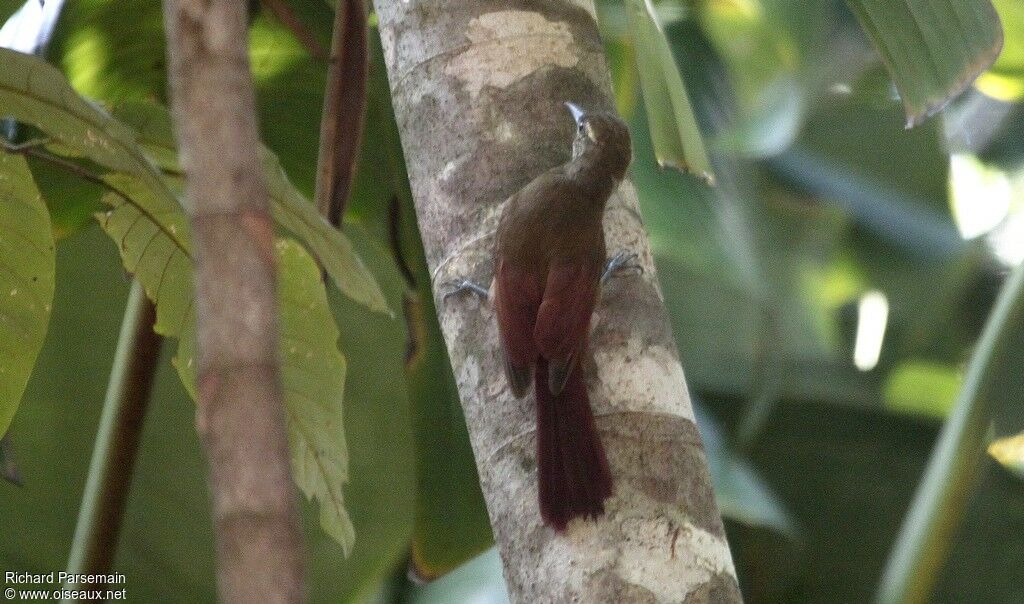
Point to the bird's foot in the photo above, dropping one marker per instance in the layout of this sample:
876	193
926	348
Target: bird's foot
623	261
462	286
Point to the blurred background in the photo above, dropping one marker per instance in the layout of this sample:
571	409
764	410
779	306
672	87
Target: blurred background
825	297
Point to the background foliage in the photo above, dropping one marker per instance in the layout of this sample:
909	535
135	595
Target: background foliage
822	197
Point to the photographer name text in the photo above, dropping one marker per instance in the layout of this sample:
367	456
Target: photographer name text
62	578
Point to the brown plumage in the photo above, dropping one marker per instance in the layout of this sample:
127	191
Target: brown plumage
549	258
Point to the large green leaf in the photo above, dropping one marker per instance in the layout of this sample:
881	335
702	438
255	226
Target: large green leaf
36	93
933	49
674	133
116	53
993	380
740	491
292	210
151	230
26	280
313	375
155	248
167	545
451	524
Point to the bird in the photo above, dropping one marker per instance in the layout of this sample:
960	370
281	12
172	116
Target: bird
549	265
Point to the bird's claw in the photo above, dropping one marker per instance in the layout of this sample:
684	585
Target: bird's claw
623	261
461	286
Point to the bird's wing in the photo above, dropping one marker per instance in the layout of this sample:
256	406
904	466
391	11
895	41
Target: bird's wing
563	319
517	296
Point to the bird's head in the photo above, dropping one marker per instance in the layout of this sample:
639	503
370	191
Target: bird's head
601	137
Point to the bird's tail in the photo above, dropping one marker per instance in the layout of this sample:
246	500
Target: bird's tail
573	475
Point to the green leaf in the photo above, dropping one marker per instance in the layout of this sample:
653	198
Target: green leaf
1005	79
452	525
34	92
155	248
448	493
152	234
993	380
313	375
331	247
292	210
740	491
26	280
933	49
674	132
155	245
110	67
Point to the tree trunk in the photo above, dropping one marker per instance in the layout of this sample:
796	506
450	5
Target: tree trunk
478	87
240	414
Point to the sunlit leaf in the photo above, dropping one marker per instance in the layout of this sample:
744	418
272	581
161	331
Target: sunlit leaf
1009	451
26	280
933	49
30	28
1005	79
921	387
674	132
313	375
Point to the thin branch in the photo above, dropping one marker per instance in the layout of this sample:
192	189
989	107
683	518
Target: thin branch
240	415
117	440
341	126
34	149
938	507
289	19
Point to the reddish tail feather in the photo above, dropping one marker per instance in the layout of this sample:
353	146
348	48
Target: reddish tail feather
573	475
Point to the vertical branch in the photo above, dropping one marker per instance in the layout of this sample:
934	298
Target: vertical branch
117	440
240	414
478	87
993	378
341	127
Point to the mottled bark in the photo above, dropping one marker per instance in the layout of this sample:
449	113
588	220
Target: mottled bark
240	414
478	87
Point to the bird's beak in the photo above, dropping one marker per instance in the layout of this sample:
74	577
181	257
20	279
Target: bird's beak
577	113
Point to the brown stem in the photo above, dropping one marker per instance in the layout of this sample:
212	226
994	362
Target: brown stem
341	126
289	19
117	441
240	415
